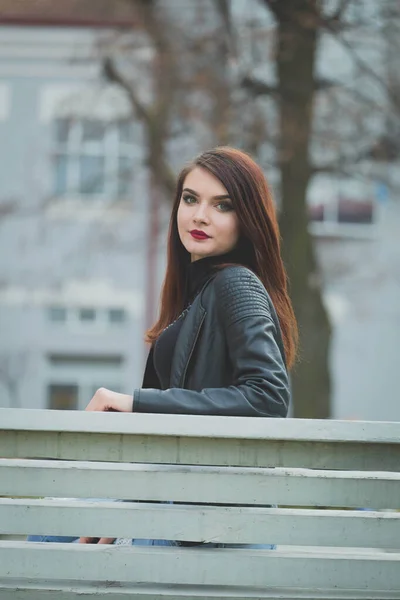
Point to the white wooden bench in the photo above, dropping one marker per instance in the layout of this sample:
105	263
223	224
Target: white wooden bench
318	472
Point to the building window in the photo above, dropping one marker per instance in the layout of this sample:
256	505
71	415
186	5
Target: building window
344	211
344	217
87	315
345	207
104	361
57	314
116	315
62	396
93	158
86	318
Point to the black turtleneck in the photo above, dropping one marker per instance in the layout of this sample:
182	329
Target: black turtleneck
158	367
200	271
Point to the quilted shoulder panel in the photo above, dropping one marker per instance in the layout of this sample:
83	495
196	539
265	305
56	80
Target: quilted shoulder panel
241	294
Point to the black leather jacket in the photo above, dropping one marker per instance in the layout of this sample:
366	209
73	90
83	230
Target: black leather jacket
229	358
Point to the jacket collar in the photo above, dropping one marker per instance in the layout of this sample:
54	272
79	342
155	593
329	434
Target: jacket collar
199	271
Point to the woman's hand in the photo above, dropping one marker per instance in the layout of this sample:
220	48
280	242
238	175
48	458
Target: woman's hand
91	540
112	401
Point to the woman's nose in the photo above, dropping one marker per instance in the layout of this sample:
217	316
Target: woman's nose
201	213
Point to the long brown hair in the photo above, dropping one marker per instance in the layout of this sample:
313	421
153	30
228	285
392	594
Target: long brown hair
260	240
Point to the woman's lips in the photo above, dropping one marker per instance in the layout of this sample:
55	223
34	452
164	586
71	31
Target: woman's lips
199	235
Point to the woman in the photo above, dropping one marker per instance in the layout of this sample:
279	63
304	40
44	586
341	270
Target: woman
226	332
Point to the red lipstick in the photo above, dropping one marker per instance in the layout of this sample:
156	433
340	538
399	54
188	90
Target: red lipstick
199	235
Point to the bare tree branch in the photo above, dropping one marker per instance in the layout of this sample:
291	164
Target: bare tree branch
113	75
365	67
13	366
258	87
156	115
261	88
223	8
336	20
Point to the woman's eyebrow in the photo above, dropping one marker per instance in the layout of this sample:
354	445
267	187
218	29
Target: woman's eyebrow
220	197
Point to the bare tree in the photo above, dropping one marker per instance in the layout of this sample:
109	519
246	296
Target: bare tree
198	92
13	366
296	49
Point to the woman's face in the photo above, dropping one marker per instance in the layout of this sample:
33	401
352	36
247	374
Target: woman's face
207	222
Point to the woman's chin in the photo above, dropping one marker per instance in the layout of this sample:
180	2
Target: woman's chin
199	248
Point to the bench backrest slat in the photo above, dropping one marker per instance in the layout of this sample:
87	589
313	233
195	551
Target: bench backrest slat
228	485
166	566
73	435
231	525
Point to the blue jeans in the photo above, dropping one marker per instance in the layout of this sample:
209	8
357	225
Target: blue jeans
65	539
61	539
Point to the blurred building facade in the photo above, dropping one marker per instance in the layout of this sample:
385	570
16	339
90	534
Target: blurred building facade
73	222
75	227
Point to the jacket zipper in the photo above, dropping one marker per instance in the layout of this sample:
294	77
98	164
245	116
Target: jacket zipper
183	313
192	349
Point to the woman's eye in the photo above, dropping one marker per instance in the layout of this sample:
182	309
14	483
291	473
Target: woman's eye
189	199
224	206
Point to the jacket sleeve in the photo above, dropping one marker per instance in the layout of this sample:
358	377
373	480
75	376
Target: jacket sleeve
260	383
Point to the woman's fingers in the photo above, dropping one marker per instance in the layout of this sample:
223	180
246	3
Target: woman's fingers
107	400
93	540
99	401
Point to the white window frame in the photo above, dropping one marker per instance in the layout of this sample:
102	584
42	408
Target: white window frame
109	147
332	227
5	101
109	104
338	190
100	324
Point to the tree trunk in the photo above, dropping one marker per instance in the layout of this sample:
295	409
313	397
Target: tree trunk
296	48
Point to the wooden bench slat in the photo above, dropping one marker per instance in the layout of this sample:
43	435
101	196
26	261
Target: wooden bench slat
321	444
169	566
227	485
207	523
27	591
34	591
114	447
199	426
